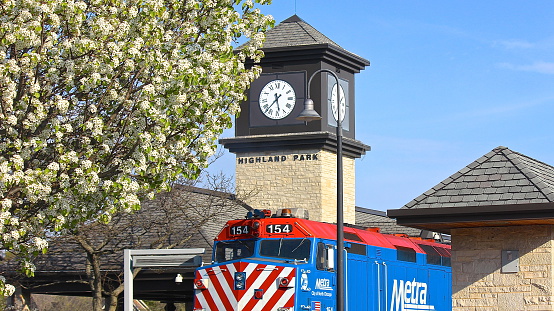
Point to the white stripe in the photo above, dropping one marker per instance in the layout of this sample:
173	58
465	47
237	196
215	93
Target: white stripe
256	284
228	288
287	295
272	290
224	285
201	298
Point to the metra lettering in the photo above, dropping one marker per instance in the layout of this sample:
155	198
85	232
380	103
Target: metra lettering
409	296
323	284
278	158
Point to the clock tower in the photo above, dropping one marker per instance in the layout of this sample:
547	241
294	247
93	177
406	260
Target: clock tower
286	163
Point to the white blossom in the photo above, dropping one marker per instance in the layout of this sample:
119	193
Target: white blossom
107	103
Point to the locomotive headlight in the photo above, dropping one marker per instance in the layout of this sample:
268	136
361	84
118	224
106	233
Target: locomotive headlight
239	276
256	228
240	280
201	283
239	285
284	283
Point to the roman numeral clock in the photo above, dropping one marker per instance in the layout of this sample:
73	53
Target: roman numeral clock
275	98
282	162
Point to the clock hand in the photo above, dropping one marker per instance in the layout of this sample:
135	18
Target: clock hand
275	101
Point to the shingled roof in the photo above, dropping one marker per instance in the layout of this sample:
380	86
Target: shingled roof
294	31
295	41
502	187
366	217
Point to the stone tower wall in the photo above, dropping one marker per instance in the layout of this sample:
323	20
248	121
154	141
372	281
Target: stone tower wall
305	179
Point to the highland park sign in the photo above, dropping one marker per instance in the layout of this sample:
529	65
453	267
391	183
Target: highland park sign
278	158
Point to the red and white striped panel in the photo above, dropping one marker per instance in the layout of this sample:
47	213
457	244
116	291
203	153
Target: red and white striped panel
221	295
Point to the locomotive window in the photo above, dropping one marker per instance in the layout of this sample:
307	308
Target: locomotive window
405	254
446	261
352	236
298	249
437	255
445	255
356	248
445	252
231	250
433	257
325	257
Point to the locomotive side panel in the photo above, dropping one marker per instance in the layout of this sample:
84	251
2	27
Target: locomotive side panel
358	291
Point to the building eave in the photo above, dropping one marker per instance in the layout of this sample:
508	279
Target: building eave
294	141
444	219
332	54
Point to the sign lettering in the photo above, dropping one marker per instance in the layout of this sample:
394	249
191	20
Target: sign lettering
278	228
238	230
409	296
278	158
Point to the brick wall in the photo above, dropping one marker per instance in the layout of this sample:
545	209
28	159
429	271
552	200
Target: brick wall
477	281
305	179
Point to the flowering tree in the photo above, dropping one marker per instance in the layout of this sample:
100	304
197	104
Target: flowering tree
104	102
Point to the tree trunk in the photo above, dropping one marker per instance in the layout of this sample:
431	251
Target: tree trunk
95	281
112	302
19	301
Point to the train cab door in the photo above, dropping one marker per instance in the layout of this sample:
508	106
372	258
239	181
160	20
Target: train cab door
321	285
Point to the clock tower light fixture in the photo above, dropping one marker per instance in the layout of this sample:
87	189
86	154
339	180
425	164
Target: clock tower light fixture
307	115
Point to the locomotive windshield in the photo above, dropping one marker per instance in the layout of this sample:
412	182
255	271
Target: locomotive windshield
231	250
298	249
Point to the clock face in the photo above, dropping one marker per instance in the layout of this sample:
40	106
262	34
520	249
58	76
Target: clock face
277	99
334	103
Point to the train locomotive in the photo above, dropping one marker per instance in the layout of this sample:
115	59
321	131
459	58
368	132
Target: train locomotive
286	263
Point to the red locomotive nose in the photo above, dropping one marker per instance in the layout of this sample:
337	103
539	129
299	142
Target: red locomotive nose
244	286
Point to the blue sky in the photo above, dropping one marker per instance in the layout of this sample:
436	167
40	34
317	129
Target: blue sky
449	81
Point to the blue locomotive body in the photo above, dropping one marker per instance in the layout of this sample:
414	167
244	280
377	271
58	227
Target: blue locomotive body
286	264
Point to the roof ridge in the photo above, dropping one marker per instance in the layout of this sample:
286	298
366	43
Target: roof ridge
538	182
466	169
305	30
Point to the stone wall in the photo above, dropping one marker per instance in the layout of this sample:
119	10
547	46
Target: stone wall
305	179
477	281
